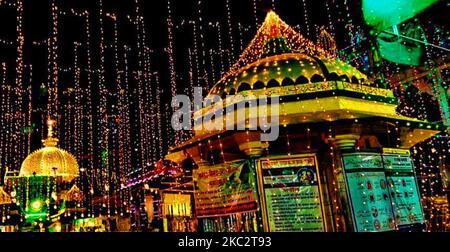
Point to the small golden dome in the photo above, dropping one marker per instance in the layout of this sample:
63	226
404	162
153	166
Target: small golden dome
50	160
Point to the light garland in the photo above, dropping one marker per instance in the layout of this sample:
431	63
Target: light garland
90	127
230	32
173	78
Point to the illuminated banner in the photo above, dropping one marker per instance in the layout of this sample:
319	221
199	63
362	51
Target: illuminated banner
403	188
368	192
225	189
292	194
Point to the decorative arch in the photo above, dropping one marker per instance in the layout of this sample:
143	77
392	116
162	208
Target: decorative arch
302	80
344	78
273	83
317	78
287	82
259	85
333	77
244	87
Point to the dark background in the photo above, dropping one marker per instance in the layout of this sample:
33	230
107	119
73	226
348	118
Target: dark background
345	16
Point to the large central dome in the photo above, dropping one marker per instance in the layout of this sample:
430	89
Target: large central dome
50	160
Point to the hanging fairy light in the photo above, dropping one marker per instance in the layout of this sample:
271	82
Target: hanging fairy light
305	16
159	119
53	69
255	13
241	39
173	78
89	114
219	51
203	70
230	32
125	116
330	20
117	150
103	114
212	65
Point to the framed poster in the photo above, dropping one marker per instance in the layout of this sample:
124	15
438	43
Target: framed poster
368	192
291	194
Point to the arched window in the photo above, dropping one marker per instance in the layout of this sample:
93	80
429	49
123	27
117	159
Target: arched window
355	80
378	83
259	85
287	82
244	87
344	78
273	83
302	80
232	91
316	78
333	77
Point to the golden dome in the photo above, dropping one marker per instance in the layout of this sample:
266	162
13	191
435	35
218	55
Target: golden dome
50	160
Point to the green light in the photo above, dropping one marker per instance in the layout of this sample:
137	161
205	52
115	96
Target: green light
382	14
36	205
35	216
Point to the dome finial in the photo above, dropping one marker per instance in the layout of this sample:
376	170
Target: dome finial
50	141
50	124
274	22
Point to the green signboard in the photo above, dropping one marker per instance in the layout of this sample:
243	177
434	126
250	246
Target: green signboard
292	195
368	192
403	189
382	190
362	161
397	163
371	203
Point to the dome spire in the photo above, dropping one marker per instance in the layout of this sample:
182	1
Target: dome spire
273	22
274	29
50	141
50	124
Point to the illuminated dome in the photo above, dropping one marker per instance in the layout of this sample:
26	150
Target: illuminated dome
287	69
279	56
50	160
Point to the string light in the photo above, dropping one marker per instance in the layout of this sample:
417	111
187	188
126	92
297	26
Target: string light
255	13
106	139
305	15
173	79
230	31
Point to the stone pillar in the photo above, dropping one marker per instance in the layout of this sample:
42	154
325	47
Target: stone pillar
346	141
250	144
346	138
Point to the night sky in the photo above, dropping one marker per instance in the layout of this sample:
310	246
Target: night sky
37	28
